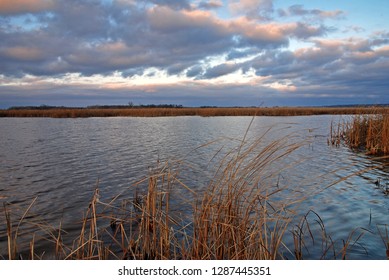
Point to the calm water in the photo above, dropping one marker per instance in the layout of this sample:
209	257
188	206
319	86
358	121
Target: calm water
61	161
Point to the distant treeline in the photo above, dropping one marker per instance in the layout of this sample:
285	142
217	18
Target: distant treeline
141	106
48	107
41	107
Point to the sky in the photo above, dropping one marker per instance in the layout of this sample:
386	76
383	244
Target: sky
194	52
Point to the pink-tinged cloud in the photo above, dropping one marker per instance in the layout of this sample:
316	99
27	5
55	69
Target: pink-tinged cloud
22	53
350	44
272	33
383	51
167	19
361	57
257	32
24	6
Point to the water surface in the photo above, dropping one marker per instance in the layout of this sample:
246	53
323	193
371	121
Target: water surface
59	162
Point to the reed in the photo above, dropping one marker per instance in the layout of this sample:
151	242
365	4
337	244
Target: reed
369	132
244	213
165	112
241	214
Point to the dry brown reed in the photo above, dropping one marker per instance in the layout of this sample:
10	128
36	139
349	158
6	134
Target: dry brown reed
369	132
240	215
13	232
164	112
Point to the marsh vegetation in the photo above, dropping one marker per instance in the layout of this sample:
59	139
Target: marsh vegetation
369	132
58	112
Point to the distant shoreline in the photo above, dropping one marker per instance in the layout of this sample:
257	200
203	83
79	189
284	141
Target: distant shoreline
177	110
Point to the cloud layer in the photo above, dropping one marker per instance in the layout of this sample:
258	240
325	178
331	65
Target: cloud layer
194	52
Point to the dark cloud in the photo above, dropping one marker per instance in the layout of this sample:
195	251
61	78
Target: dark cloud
211	4
85	20
194	71
178	68
304	31
220	70
241	53
175	4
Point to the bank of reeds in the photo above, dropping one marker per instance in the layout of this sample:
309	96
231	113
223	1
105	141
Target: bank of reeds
368	132
244	213
164	112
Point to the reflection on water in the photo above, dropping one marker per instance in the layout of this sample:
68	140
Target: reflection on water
61	161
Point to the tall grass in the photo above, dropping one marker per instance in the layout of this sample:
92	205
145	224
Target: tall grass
243	213
161	112
369	132
238	216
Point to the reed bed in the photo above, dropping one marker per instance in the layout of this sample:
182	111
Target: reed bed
244	213
164	112
368	132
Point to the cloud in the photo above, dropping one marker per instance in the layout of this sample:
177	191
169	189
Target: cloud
174	4
21	53
383	51
126	36
270	34
194	71
211	4
238	53
339	64
169	20
273	35
298	10
304	31
220	70
135	47
178	68
70	20
13	7
253	9
354	28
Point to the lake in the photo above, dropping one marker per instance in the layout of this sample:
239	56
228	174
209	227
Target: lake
60	162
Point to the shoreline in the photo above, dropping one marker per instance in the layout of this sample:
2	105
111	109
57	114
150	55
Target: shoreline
62	112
